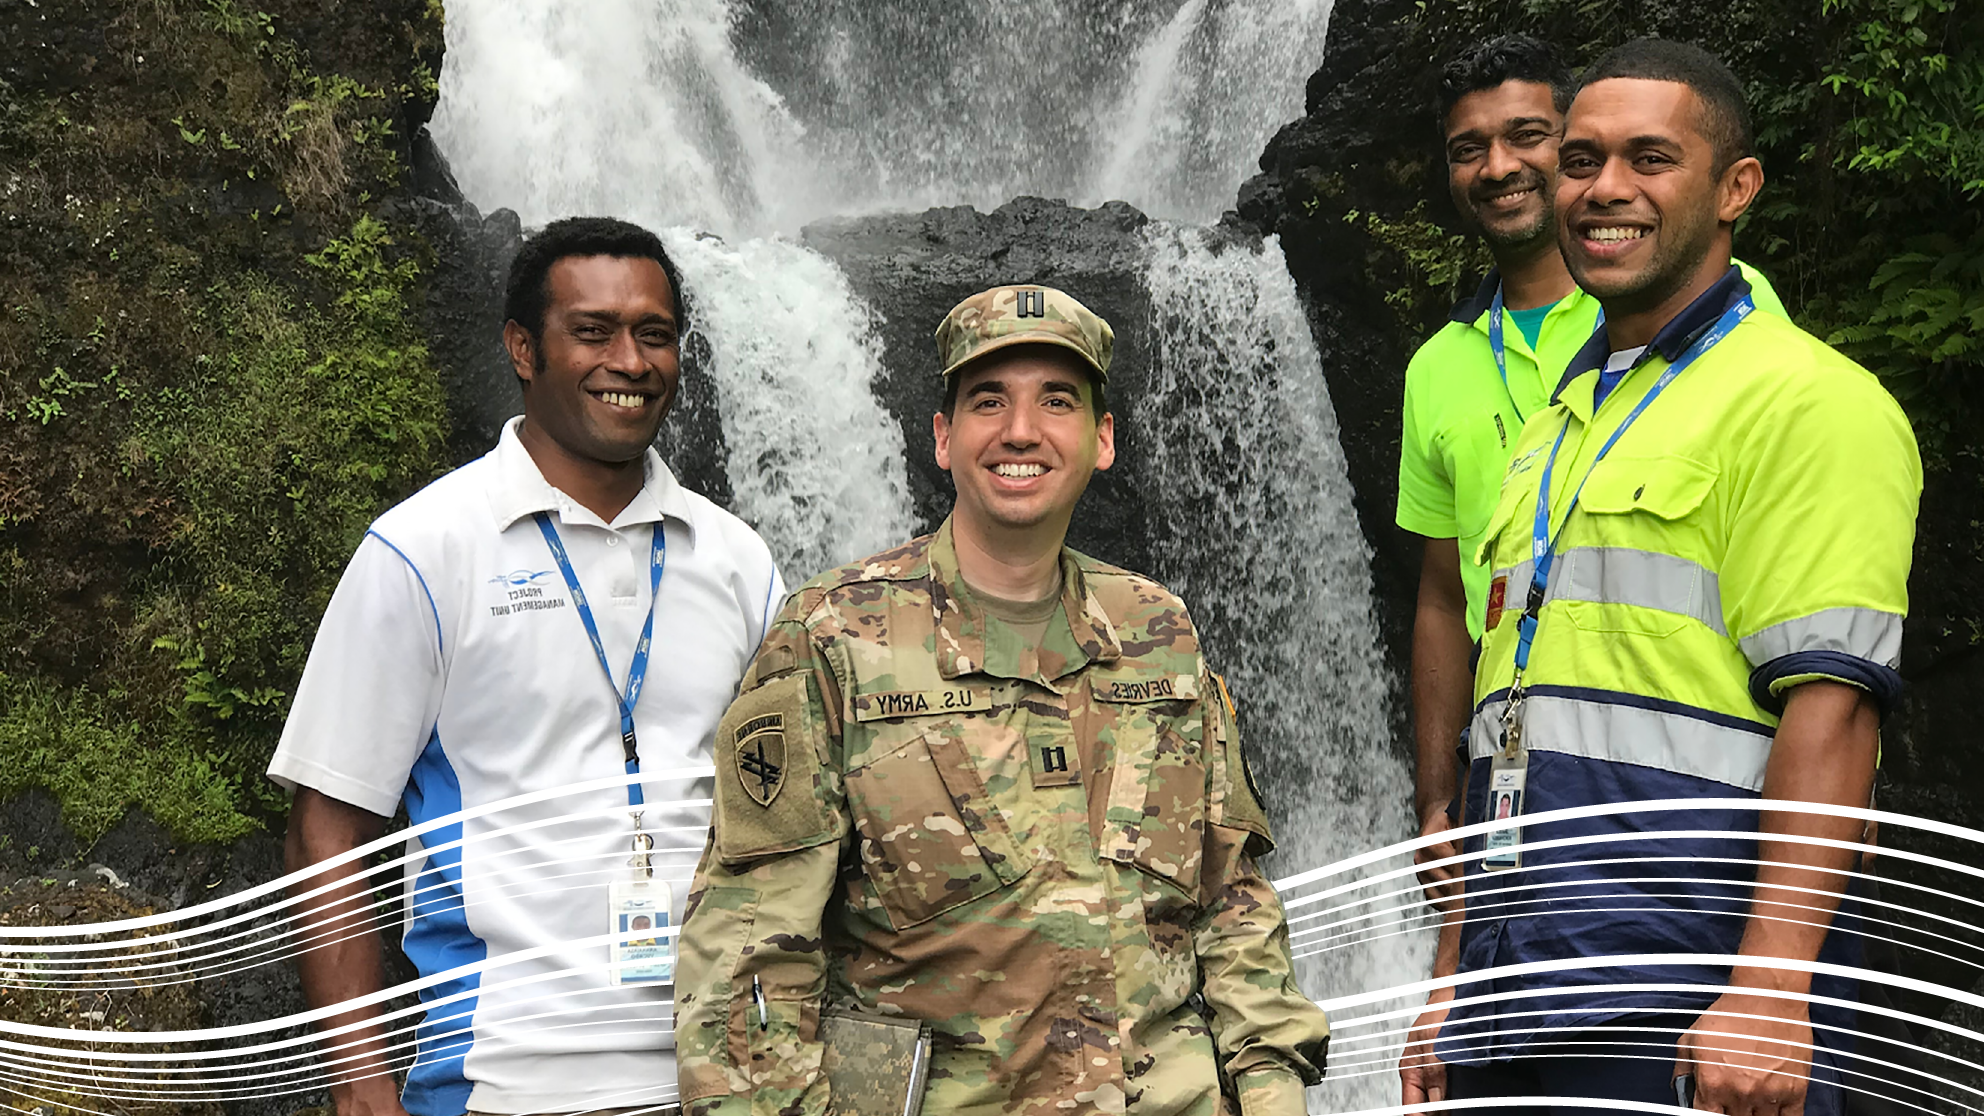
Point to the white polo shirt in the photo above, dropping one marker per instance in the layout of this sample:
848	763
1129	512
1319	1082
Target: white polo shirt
452	671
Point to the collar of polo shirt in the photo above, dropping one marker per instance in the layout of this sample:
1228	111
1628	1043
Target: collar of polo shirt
524	491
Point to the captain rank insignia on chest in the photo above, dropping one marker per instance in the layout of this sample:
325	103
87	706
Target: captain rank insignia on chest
1052	767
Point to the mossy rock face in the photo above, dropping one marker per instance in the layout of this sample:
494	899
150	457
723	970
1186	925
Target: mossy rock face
212	377
141	986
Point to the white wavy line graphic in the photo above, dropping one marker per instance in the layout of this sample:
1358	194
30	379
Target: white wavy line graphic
1351	902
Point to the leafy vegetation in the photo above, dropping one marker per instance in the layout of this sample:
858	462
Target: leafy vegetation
211	379
1908	151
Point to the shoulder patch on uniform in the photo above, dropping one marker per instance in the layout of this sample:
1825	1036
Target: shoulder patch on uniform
761	757
770	789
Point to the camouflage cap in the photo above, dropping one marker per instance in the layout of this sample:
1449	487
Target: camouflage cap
1007	316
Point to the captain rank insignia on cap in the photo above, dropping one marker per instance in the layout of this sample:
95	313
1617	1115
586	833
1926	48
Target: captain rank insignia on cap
760	756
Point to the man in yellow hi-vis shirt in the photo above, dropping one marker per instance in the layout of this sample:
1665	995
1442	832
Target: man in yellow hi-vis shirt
1699	565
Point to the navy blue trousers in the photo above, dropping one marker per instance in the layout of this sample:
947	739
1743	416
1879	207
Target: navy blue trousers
1632	1060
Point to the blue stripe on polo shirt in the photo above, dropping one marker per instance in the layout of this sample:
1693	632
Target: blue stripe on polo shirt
423	587
438	939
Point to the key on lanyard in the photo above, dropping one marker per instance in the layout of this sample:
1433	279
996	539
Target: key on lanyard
637	671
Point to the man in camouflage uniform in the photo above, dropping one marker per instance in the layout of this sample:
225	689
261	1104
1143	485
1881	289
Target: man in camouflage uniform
986	782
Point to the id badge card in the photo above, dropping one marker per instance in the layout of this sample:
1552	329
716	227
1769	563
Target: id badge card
1506	781
643	952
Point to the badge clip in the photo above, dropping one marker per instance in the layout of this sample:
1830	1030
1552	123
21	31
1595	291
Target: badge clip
638	911
1508	778
642	862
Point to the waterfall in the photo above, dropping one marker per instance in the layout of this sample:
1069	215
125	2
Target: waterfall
1255	529
1206	94
752	116
816	463
641	109
635	108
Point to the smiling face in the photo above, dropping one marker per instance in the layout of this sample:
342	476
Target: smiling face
1023	440
602	373
1644	215
1501	156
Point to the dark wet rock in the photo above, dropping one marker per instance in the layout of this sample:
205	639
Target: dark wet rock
463	312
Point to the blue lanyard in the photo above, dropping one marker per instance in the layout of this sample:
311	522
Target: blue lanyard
1501	352
1543	546
637	671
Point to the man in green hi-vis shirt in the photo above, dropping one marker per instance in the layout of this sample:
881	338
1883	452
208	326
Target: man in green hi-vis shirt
1471	386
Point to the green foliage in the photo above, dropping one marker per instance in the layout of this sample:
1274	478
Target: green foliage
1908	84
80	747
1441	264
211	380
284	445
1922	111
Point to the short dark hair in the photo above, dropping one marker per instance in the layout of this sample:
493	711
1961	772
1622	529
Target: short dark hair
1725	115
1097	401
528	291
1505	58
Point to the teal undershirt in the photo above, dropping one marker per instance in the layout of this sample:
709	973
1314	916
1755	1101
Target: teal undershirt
1530	322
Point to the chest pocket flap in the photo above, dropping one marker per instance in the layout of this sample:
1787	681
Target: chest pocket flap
1667	487
930	834
1517	497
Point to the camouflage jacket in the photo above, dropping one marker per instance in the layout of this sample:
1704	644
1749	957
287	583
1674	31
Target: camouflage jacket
1047	854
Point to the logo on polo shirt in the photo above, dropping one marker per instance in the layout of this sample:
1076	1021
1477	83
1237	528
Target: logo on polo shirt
761	757
1522	463
523	591
516	578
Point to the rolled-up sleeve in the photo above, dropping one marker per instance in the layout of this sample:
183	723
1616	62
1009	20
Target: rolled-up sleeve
1815	584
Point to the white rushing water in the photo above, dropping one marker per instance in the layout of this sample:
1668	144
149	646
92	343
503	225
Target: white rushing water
1205	96
816	463
639	109
746	117
1254	527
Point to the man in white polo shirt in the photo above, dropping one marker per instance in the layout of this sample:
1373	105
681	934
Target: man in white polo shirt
490	640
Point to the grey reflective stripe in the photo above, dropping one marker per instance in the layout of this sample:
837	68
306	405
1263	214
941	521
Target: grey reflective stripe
1642	578
1517	594
1623	575
1629	734
1864	633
